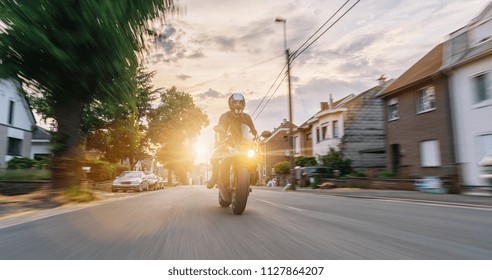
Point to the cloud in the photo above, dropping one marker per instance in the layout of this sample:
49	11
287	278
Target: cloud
173	44
183	77
212	94
225	43
196	54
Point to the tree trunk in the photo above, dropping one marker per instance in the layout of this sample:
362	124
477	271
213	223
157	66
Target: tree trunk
66	168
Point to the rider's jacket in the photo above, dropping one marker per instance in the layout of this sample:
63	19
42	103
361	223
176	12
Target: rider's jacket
232	123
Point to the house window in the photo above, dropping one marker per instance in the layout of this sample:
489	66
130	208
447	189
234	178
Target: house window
11	112
317	135
335	129
393	109
15	147
324	131
484	145
430	155
297	145
426	99
482	90
481	33
286	138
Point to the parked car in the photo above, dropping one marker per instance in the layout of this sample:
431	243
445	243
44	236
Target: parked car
315	175
486	166
154	183
130	180
174	184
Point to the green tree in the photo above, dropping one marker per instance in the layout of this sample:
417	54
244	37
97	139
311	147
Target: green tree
173	127
335	160
74	53
120	137
306	161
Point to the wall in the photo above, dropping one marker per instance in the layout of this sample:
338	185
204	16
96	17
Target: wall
365	130
22	121
412	128
471	119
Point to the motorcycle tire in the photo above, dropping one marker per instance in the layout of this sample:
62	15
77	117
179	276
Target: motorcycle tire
240	179
223	203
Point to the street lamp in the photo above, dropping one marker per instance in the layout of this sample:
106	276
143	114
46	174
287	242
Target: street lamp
291	128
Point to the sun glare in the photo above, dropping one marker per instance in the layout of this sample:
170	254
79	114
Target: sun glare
199	148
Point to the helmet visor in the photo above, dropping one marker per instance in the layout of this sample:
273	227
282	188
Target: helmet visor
237	97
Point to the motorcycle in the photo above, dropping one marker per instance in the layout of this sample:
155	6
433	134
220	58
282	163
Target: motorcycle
237	167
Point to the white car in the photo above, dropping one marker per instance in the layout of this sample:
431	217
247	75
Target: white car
154	182
486	166
130	180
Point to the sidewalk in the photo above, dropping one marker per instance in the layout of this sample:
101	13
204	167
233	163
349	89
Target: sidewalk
469	198
22	208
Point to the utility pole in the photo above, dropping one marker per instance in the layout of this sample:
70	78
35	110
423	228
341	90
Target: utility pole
292	180
291	127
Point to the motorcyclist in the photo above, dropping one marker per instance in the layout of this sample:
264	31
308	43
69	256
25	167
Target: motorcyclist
230	122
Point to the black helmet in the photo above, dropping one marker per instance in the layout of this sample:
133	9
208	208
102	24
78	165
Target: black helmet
237	103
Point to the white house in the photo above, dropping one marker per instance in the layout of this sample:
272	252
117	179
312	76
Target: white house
468	64
327	126
16	122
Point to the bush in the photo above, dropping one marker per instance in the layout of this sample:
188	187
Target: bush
100	170
335	160
282	167
20	163
306	161
27	163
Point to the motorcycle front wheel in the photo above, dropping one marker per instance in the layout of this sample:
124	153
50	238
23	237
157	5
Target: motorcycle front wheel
222	202
240	181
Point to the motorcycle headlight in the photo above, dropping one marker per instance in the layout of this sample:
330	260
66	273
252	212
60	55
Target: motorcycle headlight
251	153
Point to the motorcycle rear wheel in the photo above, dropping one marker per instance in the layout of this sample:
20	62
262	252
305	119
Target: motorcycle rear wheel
240	181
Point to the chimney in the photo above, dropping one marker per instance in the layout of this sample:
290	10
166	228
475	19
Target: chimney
330	102
382	79
324	106
284	121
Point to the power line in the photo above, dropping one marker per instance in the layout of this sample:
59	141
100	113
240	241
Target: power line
296	54
271	96
316	39
326	22
266	94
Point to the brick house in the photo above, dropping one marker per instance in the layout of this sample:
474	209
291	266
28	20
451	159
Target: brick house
418	122
275	149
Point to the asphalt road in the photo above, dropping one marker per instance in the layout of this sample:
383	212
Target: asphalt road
187	223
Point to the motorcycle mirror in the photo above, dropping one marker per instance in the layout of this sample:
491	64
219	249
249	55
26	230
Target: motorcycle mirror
266	134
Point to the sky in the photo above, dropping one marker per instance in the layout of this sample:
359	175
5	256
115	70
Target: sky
218	47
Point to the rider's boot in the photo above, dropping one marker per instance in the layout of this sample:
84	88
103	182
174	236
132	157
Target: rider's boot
211	183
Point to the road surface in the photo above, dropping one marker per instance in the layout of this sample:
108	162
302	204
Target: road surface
187	223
